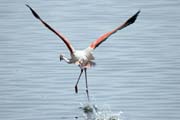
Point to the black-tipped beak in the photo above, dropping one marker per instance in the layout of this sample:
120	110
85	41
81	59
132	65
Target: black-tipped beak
60	57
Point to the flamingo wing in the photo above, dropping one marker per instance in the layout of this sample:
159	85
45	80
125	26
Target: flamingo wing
65	40
102	38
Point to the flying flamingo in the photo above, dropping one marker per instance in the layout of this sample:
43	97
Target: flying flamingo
83	58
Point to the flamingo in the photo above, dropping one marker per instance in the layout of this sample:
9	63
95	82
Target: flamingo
83	58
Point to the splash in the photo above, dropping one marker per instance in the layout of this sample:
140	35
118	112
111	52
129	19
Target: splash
92	112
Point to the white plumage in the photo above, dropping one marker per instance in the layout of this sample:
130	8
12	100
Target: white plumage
83	58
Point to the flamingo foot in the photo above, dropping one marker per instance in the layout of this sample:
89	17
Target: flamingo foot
87	92
76	89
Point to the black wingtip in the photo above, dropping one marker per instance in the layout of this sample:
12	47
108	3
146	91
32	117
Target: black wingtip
138	13
33	12
27	5
133	18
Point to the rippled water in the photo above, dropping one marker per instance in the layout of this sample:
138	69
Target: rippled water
137	72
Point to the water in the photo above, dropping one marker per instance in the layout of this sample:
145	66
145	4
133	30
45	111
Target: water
92	112
137	72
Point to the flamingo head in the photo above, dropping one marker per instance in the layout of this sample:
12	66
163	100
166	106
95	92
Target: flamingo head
62	57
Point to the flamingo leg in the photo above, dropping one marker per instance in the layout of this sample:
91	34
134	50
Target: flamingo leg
76	88
87	92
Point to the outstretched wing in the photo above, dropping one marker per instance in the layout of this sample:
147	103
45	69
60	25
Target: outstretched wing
65	40
102	38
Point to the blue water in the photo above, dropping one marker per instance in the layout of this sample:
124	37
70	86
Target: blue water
137	71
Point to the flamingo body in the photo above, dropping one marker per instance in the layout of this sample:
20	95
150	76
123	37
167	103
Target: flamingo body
83	58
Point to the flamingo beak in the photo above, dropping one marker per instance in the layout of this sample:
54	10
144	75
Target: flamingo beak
61	57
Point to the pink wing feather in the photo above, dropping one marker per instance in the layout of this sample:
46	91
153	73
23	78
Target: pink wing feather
65	40
102	38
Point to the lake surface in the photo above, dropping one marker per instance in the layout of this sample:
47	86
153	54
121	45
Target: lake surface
137	71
